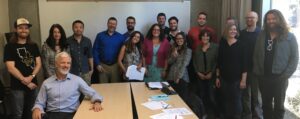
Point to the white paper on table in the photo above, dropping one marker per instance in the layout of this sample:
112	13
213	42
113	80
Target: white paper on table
156	105
154	85
166	116
133	74
178	111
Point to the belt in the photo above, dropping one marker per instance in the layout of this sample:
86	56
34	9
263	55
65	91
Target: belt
108	63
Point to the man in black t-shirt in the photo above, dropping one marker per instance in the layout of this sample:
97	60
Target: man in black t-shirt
22	59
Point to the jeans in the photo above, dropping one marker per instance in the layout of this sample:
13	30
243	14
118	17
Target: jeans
251	107
273	91
232	99
206	92
22	103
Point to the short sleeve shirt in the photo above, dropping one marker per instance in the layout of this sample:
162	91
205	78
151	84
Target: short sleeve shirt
24	56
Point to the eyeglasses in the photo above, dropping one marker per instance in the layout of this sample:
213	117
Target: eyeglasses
270	45
249	17
178	38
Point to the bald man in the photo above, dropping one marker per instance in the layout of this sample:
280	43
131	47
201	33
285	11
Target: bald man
251	106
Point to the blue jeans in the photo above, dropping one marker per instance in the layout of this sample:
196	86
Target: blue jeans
22	103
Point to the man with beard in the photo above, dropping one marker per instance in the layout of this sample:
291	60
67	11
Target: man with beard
59	94
81	52
161	20
275	59
130	22
23	61
105	52
251	106
193	34
173	24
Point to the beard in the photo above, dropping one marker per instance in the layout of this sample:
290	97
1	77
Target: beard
276	28
175	29
130	28
22	36
62	71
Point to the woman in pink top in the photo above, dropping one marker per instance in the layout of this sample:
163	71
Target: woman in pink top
155	49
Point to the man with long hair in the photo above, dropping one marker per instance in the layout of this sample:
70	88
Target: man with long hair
22	59
275	59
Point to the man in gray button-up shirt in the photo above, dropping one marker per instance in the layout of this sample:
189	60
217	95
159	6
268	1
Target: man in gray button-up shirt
81	52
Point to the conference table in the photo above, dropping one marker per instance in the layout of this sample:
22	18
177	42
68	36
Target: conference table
116	103
141	93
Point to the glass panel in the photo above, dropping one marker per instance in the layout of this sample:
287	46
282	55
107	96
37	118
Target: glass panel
291	11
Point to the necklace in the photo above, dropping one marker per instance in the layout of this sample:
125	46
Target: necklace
270	45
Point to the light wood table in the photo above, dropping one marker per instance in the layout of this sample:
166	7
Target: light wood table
116	103
141	94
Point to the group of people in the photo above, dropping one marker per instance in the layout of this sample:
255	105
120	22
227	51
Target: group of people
226	74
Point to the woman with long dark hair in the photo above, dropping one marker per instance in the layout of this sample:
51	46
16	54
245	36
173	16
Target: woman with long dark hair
179	58
155	50
131	52
55	43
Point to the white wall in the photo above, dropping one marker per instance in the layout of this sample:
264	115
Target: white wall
95	15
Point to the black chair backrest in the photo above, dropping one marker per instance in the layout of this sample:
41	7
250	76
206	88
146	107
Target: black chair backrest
8	36
2	90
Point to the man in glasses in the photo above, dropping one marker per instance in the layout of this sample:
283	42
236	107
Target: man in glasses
251	106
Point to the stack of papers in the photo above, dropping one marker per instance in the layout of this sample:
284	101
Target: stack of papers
154	85
133	74
156	105
166	116
177	111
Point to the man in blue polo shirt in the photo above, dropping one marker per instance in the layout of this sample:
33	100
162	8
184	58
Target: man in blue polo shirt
105	52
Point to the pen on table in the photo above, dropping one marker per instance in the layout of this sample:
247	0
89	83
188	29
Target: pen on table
166	106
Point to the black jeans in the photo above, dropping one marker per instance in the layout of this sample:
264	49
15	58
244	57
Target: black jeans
58	115
232	99
273	91
206	92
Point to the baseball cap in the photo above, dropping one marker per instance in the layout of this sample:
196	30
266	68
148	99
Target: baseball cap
22	21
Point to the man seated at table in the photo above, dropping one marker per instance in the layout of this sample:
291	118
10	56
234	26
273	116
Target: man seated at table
59	94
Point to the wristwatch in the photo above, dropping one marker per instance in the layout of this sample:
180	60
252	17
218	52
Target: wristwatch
32	75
